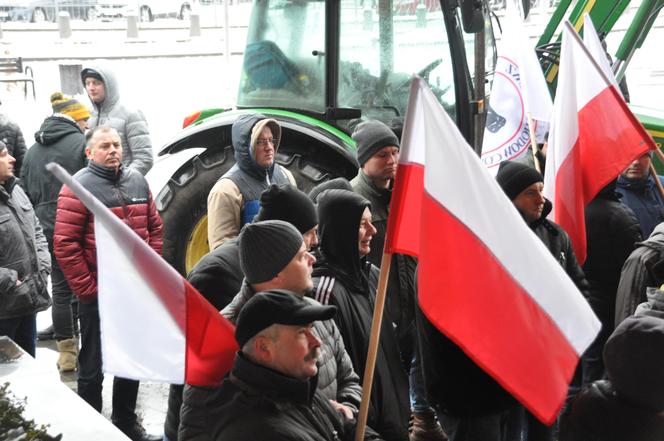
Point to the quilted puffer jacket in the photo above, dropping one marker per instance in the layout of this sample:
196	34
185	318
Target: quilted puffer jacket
127	194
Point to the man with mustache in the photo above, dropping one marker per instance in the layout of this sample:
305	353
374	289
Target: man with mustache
273	255
127	194
271	391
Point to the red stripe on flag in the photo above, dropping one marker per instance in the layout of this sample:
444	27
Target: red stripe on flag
211	344
610	137
489	315
403	228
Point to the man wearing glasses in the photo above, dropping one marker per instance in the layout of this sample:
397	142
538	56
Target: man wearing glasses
234	199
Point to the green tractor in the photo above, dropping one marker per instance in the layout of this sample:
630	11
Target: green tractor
320	67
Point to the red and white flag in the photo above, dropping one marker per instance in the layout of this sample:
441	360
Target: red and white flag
485	280
594	137
154	325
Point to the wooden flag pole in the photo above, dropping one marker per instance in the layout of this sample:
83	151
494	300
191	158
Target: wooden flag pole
372	353
533	141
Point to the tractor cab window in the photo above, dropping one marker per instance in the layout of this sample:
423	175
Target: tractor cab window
284	63
380	50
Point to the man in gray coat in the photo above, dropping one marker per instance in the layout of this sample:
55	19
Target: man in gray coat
102	88
273	255
25	262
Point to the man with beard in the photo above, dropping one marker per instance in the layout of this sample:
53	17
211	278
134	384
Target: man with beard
273	256
345	278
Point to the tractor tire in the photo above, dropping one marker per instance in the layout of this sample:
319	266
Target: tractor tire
185	214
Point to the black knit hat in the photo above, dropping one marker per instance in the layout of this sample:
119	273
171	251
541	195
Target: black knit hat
515	177
634	365
280	307
266	248
289	204
336	183
90	73
371	136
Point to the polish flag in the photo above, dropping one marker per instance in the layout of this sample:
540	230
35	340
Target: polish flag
485	280
154	325
593	139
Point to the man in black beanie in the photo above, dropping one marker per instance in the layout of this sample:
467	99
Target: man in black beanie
273	256
523	185
218	275
378	155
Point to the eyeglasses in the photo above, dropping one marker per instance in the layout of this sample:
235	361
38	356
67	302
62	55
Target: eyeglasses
261	142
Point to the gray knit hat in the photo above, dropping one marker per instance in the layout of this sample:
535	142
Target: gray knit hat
371	136
266	248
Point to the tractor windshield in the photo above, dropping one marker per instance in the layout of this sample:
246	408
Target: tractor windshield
284	64
323	57
381	49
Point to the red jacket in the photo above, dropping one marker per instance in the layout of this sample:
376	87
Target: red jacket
127	195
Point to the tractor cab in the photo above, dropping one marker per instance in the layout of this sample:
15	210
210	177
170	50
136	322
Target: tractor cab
342	61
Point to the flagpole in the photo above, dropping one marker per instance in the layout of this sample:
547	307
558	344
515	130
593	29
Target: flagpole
533	141
372	352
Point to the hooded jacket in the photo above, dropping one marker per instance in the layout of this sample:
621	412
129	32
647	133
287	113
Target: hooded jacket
257	403
401	289
643	268
11	135
234	198
24	255
130	124
630	406
58	140
126	194
348	281
643	197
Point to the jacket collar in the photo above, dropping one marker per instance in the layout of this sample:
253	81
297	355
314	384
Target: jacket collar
7	188
261	380
376	192
635	184
108	173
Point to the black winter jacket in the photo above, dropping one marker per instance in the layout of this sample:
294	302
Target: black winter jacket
218	276
598	414
259	404
558	242
343	279
58	140
643	268
11	135
401	288
612	231
24	255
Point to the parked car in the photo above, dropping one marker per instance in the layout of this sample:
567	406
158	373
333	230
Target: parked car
148	10
47	10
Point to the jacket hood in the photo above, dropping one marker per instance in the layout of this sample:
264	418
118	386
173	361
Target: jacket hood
656	237
340	213
241	135
633	367
654	306
54	128
112	90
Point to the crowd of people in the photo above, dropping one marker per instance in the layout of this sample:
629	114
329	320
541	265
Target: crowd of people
297	274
